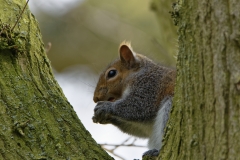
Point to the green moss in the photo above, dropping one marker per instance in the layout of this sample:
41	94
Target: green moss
13	41
37	121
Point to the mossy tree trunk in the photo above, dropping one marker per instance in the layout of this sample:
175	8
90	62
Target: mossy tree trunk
205	120
37	121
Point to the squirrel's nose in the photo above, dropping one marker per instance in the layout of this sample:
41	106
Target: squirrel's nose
95	99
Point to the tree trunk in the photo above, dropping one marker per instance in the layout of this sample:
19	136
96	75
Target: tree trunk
37	122
205	119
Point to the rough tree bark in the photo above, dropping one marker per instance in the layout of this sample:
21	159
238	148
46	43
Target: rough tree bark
205	119
37	121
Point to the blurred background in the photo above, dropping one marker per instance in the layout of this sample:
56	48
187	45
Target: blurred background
85	36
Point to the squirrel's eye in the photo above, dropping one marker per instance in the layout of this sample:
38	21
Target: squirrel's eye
112	73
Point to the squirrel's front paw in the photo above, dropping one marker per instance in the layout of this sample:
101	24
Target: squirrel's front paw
101	112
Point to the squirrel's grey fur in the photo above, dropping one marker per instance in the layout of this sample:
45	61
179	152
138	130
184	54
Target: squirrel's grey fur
143	108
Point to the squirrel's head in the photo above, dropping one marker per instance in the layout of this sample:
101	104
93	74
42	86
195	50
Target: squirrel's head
113	81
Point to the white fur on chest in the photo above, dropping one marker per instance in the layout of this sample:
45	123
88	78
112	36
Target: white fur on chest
155	140
138	129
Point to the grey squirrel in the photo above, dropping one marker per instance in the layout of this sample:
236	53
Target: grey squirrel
135	94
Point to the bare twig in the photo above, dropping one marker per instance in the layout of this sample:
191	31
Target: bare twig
116	146
122	145
112	152
19	16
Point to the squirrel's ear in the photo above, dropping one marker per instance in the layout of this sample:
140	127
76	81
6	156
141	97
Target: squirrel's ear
126	54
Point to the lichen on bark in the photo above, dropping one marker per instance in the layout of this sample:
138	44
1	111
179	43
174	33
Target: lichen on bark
37	121
204	122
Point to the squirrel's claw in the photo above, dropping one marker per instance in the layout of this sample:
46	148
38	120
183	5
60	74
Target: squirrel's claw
94	119
101	113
